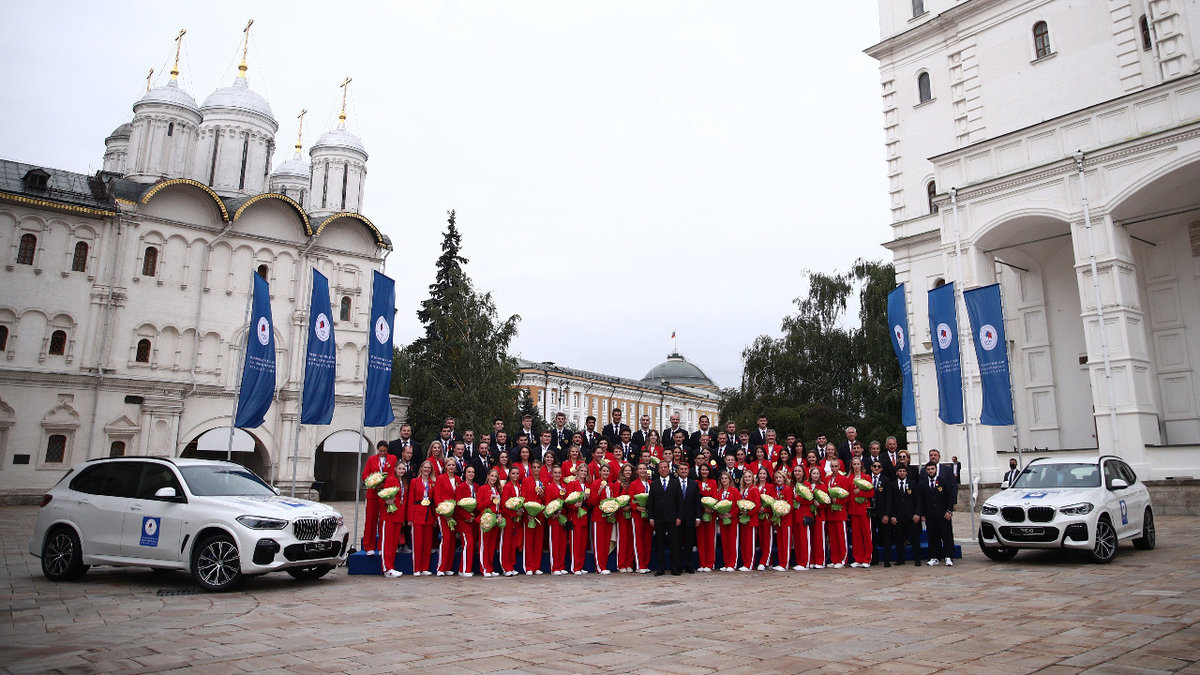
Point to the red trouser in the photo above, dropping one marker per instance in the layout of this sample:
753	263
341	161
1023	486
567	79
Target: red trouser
470	535
836	530
601	539
746	537
783	545
558	545
706	543
729	544
422	536
624	543
643	536
579	542
860	530
766	536
510	537
487	550
446	549
393	535
800	533
372	525
816	542
535	540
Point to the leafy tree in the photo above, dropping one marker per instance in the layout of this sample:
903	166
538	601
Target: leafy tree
525	407
460	367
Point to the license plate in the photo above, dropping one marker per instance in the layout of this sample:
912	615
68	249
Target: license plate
318	546
1029	531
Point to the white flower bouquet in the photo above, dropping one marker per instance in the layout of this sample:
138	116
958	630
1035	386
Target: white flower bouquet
374	480
387	495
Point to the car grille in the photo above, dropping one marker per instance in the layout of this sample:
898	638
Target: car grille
307	529
1030	534
1013	514
1041	514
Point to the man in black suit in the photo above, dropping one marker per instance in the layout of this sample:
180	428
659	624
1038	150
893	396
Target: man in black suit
501	445
724	445
759	436
903	517
483	461
625	448
638	438
704	430
545	448
471	448
454	433
560	437
944	471
689	520
446	438
666	502
612	430
881	528
497	428
1009	476
843	450
875	454
936	497
527	430
668	435
406	440
590	436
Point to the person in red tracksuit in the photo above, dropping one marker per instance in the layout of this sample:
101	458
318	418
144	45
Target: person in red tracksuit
860	519
766	531
421	517
729	533
801	511
513	533
706	532
625	518
393	522
468	522
386	464
835	521
642	532
783	531
534	490
599	461
816	529
747	531
489	500
525	463
557	531
601	528
436	459
579	523
445	488
574	459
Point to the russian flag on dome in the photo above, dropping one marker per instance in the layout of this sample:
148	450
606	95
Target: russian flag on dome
897	310
377	406
943	326
986	313
258	372
320	363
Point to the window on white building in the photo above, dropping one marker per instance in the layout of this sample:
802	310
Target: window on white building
924	92
79	259
1041	39
58	343
918	7
1147	41
143	351
930	193
56	448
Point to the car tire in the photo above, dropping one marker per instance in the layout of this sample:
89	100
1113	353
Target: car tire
997	553
1146	542
1104	548
62	555
216	564
310	573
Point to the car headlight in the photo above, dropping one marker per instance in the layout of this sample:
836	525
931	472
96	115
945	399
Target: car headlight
262	522
990	510
1081	509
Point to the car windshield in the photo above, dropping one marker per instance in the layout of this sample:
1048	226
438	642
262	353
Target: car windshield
224	481
1059	476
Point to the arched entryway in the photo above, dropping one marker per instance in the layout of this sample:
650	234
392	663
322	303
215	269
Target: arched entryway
248	450
337	467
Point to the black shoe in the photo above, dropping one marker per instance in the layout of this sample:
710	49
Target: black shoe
916	563
675	573
690	571
887	563
659	573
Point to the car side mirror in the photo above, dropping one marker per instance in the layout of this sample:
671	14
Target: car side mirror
1003	485
1117	484
167	494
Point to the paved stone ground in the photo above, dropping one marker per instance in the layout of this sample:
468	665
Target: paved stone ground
1045	611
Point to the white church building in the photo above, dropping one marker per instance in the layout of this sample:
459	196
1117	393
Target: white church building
125	292
1053	146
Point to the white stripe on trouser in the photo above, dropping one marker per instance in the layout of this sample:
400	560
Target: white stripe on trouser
714	542
596	548
637	558
465	553
482	568
770	545
737	547
552	558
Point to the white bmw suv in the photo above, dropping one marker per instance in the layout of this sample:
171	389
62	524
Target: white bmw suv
1087	504
215	519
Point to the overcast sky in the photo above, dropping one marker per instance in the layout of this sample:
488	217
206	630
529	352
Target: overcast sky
621	170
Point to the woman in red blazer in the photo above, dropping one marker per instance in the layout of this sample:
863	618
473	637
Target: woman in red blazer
445	488
393	522
533	489
513	534
747	532
642	531
654	447
489	500
503	464
706	533
784	461
835	521
815	531
625	520
579	523
525	463
601	528
810	461
421	518
574	458
783	531
436	459
860	519
766	531
729	533
555	489
468	522
760	461
801	510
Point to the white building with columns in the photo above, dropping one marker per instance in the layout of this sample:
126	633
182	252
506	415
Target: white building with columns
125	292
1057	145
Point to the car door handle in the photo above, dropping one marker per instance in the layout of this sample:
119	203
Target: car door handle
135	507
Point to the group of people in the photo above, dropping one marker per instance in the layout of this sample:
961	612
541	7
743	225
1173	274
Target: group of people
659	501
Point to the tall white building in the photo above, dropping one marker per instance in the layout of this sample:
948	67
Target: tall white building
124	293
1056	143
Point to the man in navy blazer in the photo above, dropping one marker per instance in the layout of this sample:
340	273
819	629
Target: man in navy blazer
666	500
689	519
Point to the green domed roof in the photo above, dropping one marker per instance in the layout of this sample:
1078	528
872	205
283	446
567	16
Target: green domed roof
678	371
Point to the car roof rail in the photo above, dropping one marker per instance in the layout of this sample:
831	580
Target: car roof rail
165	459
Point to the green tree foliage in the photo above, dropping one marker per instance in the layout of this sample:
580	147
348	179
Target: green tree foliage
821	377
460	367
525	407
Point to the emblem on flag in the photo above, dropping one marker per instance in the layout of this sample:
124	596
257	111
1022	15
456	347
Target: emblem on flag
944	335
899	333
987	337
321	327
381	330
264	330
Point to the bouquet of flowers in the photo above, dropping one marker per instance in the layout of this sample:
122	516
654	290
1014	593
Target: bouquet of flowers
488	522
745	506
779	509
623	502
769	502
515	503
723	508
446	510
609	508
534	509
553	509
642	500
708	503
469	505
803	492
820	497
576	499
837	493
863	485
387	494
374	480
654	460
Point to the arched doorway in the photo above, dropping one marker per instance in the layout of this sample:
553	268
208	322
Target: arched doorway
337	467
247	449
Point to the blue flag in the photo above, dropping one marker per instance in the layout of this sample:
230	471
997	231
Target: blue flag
320	364
986	314
897	309
943	327
258	372
377	407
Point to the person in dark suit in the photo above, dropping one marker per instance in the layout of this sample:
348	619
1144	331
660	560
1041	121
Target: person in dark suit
406	441
560	437
1011	475
904	518
612	430
668	436
891	453
936	496
638	438
500	445
956	467
689	520
497	428
704	430
666	502
527	430
881	527
944	470
843	450
759	436
483	461
625	449
875	454
589	436
678	441
471	448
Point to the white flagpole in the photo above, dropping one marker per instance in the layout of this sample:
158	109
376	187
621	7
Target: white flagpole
958	291
237	386
362	422
303	369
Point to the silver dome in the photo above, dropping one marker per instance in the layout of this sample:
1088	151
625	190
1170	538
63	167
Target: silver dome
122	132
295	166
169	94
339	138
679	371
239	96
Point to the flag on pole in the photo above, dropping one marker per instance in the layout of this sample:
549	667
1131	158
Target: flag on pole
320	363
258	372
943	327
897	309
986	313
377	406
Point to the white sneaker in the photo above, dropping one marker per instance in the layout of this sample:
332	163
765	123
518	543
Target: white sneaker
838	566
605	572
799	568
949	562
441	573
393	574
583	571
865	565
643	571
743	568
703	569
528	573
779	568
538	572
932	562
370	552
468	574
578	573
426	573
818	567
854	564
627	569
761	568
510	573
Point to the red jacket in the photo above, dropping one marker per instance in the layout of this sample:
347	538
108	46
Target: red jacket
614	468
526	470
445	488
804	507
386	464
438	466
637	487
488	498
600	491
784	493
732	494
464	490
844	483
853	506
420	513
572	510
534	490
568	469
510	490
752	495
400	515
